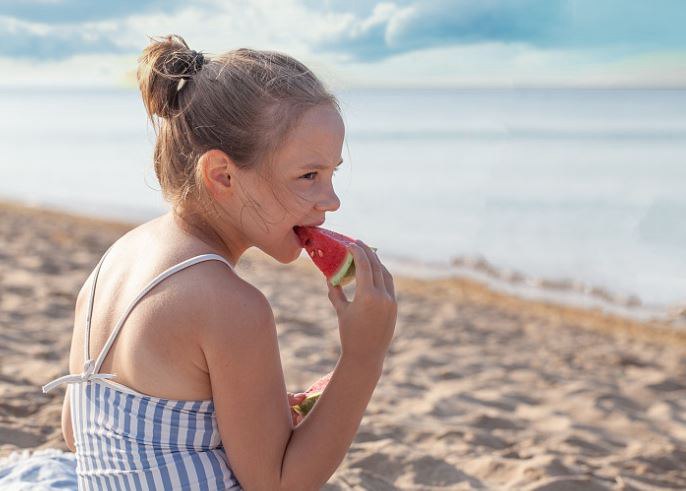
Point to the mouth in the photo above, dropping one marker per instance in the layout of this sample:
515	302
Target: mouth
297	235
311	224
296	227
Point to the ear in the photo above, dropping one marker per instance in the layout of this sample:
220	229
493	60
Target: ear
218	171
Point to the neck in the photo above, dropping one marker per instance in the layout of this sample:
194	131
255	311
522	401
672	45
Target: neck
201	227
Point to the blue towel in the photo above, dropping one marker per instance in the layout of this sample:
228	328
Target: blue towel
42	470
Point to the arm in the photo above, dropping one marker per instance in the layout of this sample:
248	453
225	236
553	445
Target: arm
319	444
67	430
241	348
248	389
366	327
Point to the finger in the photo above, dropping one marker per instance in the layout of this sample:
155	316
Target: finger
363	270
387	277
295	399
388	280
375	265
337	296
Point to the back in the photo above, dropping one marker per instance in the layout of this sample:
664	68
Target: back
157	352
124	437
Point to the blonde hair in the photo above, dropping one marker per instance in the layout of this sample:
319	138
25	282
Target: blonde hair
243	102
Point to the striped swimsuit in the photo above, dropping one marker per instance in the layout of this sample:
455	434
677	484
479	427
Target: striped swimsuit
131	441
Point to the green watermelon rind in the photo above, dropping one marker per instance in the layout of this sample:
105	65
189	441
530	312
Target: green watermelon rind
345	273
307	404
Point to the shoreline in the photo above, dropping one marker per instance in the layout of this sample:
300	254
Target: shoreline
473	288
563	291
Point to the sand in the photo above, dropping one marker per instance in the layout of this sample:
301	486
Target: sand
480	390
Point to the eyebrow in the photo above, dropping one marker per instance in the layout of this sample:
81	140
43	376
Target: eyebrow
319	166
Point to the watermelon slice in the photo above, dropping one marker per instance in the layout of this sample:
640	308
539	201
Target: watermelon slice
313	394
328	251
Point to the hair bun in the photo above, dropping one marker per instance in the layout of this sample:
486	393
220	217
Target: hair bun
161	67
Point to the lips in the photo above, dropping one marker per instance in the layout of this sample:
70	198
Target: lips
298	230
311	224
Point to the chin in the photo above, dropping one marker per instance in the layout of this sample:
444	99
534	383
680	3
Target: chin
284	255
287	260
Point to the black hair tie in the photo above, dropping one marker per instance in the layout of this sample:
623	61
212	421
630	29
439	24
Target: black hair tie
197	62
194	65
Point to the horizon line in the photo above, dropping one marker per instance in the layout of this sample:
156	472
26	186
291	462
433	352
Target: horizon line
373	86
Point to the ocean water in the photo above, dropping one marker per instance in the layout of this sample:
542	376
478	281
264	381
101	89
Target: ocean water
576	195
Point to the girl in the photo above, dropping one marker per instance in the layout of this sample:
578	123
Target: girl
177	376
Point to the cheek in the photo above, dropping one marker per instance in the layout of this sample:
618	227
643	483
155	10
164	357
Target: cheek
297	201
282	211
307	195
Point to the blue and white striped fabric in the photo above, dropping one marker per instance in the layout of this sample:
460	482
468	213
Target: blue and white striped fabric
135	442
126	440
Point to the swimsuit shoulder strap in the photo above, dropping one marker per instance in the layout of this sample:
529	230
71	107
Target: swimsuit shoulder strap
158	279
90	367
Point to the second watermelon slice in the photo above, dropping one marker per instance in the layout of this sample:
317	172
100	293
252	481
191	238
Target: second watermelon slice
313	394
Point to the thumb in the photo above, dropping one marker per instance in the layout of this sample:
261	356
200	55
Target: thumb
336	295
295	399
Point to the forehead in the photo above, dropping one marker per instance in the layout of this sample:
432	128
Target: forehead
316	138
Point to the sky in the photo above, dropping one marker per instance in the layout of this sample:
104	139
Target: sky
354	43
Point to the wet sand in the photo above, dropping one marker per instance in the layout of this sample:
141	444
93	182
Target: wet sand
481	390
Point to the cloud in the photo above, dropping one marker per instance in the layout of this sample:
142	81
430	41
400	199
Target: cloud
395	42
212	25
72	11
25	40
398	27
353	29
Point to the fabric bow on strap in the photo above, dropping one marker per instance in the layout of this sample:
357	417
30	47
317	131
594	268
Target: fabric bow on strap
88	374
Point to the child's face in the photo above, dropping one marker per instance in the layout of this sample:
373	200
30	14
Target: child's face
300	189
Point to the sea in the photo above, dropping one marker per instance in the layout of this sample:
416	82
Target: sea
569	195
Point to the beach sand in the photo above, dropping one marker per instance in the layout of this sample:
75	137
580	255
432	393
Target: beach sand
480	390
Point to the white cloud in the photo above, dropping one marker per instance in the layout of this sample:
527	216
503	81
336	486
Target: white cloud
265	24
397	24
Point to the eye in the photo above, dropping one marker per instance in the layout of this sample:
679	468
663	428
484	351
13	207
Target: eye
305	176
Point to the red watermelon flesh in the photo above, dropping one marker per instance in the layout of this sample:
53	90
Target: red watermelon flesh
328	251
320	384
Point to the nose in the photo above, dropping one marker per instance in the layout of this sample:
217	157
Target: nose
330	202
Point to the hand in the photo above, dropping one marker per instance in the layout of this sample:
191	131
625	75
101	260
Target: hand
367	323
294	400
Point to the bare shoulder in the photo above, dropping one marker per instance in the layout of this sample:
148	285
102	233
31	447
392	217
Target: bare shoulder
210	296
231	305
